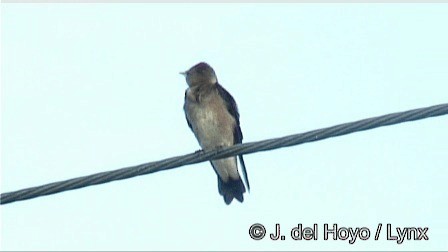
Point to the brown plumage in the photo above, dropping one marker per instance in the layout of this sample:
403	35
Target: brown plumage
212	115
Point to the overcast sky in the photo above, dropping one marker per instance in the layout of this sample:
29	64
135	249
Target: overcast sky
87	88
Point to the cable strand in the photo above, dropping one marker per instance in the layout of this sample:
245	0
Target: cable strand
240	149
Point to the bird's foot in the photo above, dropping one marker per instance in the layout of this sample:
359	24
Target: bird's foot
199	151
220	147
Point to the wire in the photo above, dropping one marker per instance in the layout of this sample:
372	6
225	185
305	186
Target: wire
246	148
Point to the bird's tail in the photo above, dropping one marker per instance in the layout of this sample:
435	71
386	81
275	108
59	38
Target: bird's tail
234	188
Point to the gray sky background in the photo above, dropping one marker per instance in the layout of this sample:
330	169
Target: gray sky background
93	87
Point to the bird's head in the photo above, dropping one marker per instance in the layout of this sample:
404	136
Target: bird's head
200	74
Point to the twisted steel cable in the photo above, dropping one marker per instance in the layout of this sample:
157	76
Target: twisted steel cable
246	148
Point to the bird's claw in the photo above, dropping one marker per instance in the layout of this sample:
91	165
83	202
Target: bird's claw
199	151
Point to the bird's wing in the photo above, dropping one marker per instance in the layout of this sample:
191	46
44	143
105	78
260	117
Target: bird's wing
186	117
232	108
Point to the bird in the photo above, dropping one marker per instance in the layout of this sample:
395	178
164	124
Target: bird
212	114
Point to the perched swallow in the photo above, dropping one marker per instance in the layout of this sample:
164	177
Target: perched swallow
212	115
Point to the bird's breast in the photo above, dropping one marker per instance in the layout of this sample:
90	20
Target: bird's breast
211	122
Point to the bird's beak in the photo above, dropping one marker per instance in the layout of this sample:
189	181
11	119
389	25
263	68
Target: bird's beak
183	73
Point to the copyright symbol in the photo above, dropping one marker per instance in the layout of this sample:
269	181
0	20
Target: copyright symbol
257	231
